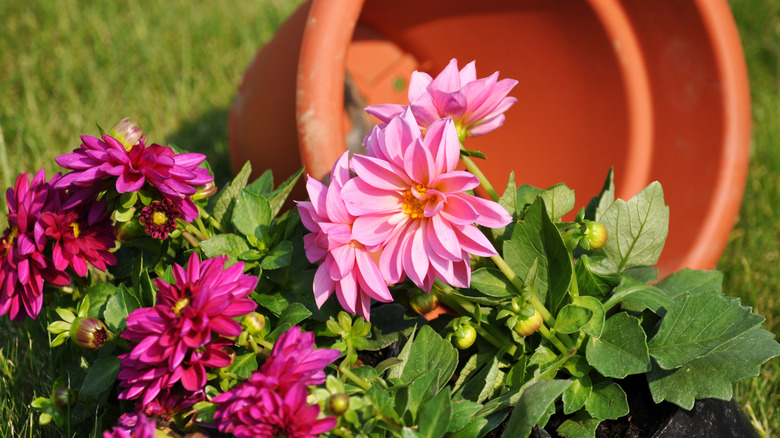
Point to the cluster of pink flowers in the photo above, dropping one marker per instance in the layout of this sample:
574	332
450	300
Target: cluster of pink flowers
135	425
185	332
272	401
39	214
407	202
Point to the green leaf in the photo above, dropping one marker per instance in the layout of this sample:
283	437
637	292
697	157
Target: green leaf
532	406
622	348
435	416
641	295
264	184
101	376
277	197
470	153
382	401
99	295
223	207
230	245
252	214
607	401
571	318
595	325
601	203
484	383
637	228
244	365
430	351
118	307
695	325
492	282
279	257
558	200
422	389
526	194
559	264
689	280
714	374
594	276
476	427
275	302
577	394
581	425
462	413
292	315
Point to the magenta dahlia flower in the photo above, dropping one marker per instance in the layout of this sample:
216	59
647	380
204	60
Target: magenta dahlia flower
409	199
133	425
173	175
159	218
249	411
294	359
81	234
23	266
477	106
347	266
183	334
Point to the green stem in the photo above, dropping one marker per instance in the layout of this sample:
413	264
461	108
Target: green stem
553	339
213	222
355	379
472	167
263	343
574	289
204	232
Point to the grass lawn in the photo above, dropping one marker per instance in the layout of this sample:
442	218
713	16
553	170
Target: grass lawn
174	66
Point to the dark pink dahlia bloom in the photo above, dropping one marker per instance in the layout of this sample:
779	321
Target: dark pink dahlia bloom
23	266
81	234
173	175
409	198
182	335
294	359
250	410
347	266
134	425
476	106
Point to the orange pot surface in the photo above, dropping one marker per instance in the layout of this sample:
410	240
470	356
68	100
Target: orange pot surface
656	89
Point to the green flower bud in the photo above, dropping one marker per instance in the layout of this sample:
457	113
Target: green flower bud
527	326
127	132
338	403
89	333
254	323
205	191
464	337
129	230
422	302
595	234
63	397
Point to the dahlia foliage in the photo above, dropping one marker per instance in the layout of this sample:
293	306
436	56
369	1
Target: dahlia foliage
180	310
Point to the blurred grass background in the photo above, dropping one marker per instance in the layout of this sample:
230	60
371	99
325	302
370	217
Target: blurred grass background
174	67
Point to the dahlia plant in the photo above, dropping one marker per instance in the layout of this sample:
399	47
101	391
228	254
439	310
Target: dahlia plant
178	309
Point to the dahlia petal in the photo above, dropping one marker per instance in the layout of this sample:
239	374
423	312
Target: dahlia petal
419	164
442	139
459	211
225	326
415	254
491	214
373	230
361	198
334	204
391	260
189	160
385	112
474	241
455	181
468	72
442	239
346	292
449	78
487	126
323	286
344	260
378	173
370	277
418	85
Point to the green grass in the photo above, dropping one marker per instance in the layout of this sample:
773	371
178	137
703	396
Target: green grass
174	66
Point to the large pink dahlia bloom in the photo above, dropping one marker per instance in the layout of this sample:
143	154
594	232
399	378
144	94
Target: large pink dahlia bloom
476	105
23	265
134	425
173	175
409	198
347	267
183	334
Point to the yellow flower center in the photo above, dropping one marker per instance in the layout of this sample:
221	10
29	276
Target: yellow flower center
182	303
413	205
76	229
159	218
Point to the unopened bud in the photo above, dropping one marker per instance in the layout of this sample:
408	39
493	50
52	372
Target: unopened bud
62	398
127	231
464	337
89	333
254	323
205	191
338	403
527	326
595	235
423	302
127	132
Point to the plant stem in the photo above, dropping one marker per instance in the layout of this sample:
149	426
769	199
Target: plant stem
472	167
553	339
355	379
574	289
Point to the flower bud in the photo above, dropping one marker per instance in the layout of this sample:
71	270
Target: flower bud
254	323
127	231
527	326
464	337
338	403
595	234
127	132
422	302
63	397
204	191
89	333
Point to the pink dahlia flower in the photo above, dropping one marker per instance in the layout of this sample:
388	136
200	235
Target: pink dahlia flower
135	425
476	105
409	198
294	359
250	411
182	335
173	175
347	267
23	265
82	234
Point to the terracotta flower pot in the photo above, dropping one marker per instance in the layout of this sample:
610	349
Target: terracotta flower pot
656	89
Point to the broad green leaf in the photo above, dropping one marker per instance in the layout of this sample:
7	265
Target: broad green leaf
462	413
277	197
420	391
244	365
601	203
558	200
292	315
492	282
382	401
526	194
472	365
118	307
230	245
264	184
275	302
430	352
577	394
641	295
279	257
251	214
622	348
607	401
396	371
223	207
689	280
637	228
435	416
532	406
581	425
695	325
99	295
714	374
571	318
559	264
474	428
593	276
388	321
483	384
595	325
101	376
509	201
